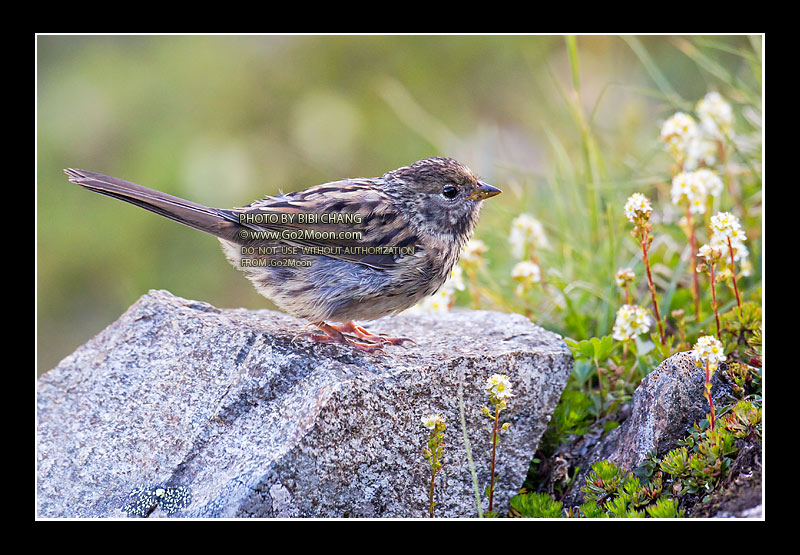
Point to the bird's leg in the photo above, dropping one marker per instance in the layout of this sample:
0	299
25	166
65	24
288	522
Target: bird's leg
361	333
334	335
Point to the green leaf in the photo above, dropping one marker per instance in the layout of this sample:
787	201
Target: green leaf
580	349
596	349
602	347
536	505
583	370
664	508
591	509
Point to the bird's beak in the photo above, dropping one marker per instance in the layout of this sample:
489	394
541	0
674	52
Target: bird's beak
483	191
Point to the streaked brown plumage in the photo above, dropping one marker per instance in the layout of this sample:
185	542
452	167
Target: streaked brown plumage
413	223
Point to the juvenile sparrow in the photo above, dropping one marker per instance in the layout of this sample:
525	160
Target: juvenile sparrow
355	249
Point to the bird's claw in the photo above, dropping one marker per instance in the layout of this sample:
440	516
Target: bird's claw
354	336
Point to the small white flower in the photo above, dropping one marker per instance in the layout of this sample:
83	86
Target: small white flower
443	299
473	251
740	251
431	420
456	280
624	275
526	273
708	350
631	321
725	224
716	115
723	221
701	150
694	187
526	231
498	387
637	205
710	252
678	132
686	188
709	181
726	228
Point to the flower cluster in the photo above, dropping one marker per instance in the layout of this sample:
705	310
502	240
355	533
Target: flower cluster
694	187
716	115
726	227
638	208
434	452
526	232
678	132
708	352
432	421
624	277
701	151
638	211
631	321
526	236
498	387
526	273
694	145
711	253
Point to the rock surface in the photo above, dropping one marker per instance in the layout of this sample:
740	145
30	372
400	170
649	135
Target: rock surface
182	409
665	406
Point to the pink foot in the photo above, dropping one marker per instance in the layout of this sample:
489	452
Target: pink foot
361	333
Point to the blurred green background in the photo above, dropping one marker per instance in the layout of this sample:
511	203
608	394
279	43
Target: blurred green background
224	120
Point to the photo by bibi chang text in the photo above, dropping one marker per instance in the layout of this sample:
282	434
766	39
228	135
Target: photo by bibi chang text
303	218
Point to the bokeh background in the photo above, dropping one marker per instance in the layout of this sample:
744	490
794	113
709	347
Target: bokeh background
568	129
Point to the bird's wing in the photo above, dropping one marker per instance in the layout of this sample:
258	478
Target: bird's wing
351	220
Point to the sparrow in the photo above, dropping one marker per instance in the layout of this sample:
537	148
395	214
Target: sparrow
348	250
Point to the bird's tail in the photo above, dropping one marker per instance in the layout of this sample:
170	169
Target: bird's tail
217	222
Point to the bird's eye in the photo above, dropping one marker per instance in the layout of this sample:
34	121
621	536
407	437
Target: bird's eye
449	192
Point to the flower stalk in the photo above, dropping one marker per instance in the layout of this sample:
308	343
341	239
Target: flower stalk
712	254
708	354
733	275
638	211
623	278
728	232
494	452
693	265
434	452
652	287
708	395
498	387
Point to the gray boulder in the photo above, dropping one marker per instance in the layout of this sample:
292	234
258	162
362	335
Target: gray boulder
665	407
186	410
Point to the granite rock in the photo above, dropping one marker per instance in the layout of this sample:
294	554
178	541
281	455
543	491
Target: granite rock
665	406
181	409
